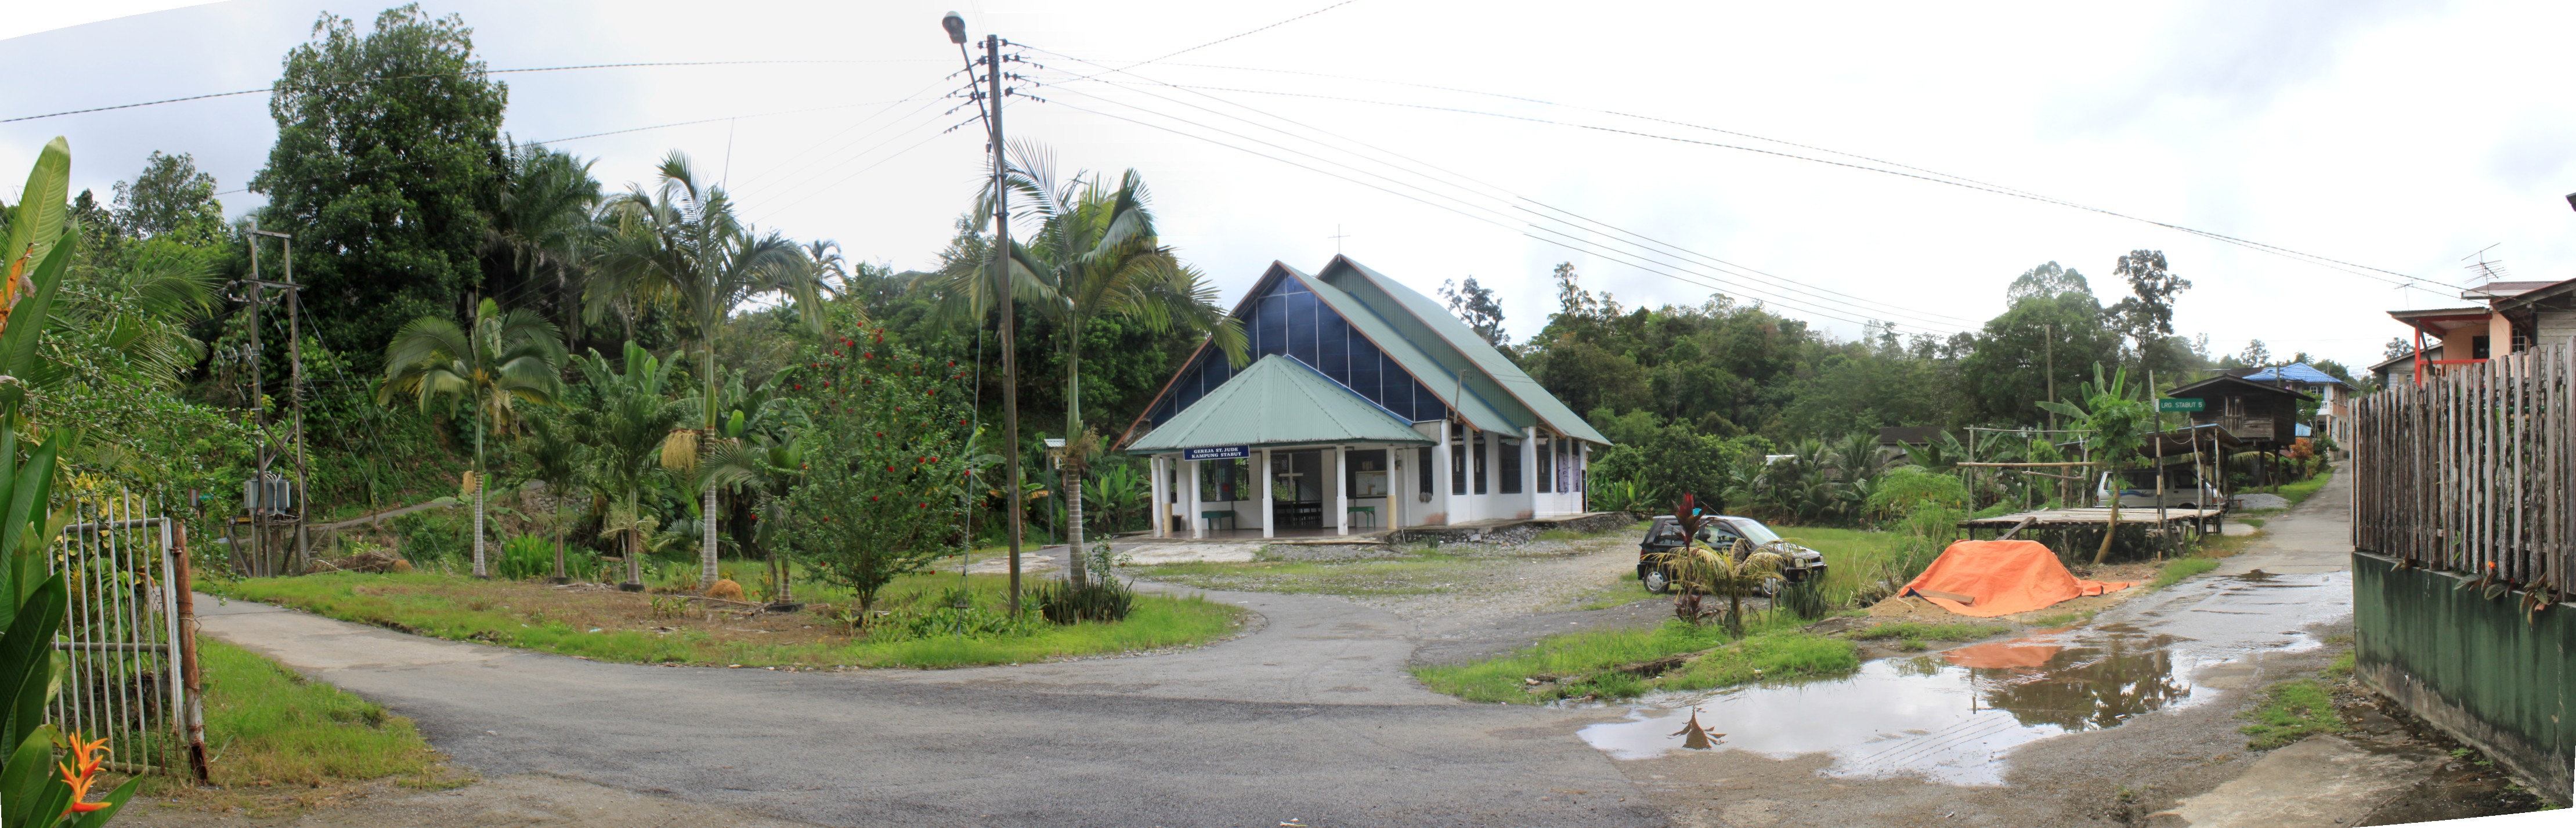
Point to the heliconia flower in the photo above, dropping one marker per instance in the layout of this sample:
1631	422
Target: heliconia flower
82	772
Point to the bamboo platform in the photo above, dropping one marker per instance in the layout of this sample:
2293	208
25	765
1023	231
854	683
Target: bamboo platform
2205	520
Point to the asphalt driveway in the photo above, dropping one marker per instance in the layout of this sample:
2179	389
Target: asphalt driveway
1311	718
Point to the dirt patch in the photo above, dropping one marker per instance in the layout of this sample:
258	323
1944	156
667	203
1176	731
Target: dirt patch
506	801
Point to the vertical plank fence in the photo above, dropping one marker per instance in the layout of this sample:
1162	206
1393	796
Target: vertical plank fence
2472	471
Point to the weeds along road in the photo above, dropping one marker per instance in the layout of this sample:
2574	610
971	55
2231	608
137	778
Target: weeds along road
1310	718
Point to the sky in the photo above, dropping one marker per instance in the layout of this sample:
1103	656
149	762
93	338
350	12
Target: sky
1782	153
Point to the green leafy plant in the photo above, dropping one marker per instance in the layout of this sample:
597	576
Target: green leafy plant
884	488
504	359
1067	602
36	602
1701	571
2115	420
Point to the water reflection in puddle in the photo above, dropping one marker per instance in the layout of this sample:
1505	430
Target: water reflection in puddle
1951	716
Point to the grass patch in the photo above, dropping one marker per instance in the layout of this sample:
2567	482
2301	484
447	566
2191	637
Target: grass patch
2342	666
267	725
636	628
2299	492
2291	710
1634	530
2178	569
1421	573
1590	663
2064	619
1918	631
1852	556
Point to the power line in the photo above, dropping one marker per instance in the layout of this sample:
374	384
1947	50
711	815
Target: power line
1241	34
1937	319
1889	168
272	88
1568	242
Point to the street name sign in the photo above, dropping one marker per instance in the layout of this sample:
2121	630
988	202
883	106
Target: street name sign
2182	405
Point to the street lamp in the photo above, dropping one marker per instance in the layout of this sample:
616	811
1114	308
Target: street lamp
956	27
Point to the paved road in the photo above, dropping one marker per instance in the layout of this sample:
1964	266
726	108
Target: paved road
1310	718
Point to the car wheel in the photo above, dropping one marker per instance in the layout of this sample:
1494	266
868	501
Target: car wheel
1655	580
1771	587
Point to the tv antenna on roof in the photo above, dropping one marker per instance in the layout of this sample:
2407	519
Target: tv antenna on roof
2493	270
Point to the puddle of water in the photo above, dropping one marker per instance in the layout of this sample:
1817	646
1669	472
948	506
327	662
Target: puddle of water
1951	716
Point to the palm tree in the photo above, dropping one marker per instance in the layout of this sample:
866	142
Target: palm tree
545	224
1094	254
767	467
506	359
629	417
680	245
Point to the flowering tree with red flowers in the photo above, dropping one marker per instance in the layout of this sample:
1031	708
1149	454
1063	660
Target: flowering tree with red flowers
882	493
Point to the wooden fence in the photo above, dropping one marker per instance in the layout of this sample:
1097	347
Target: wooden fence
2472	471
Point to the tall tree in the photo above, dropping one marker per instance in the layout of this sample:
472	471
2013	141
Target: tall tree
387	156
171	199
680	245
1475	305
2046	281
1094	254
503	360
2146	315
543	226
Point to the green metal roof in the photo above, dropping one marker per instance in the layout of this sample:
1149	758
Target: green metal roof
1414	310
1278	401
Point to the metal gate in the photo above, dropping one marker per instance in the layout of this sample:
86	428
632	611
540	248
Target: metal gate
124	671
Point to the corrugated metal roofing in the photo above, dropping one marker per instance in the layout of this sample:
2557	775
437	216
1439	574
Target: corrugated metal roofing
1278	401
1472	349
2295	372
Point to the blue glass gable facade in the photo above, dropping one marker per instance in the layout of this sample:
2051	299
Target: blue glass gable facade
1290	320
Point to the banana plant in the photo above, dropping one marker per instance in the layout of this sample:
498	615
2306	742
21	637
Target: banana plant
35	602
2114	418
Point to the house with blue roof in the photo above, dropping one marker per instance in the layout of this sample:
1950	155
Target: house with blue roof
2334	397
1364	406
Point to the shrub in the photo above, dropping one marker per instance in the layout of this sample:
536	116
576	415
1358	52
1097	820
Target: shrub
525	557
1066	602
1806	599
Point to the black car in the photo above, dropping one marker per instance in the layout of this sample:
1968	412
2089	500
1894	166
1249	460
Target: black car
1665	535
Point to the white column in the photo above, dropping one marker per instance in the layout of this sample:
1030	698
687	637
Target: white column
1529	470
1341	492
1263	471
1440	475
1162	510
1190	481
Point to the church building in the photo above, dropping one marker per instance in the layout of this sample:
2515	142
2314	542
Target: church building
1365	406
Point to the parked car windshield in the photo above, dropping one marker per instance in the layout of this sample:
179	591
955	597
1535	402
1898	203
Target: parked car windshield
1755	532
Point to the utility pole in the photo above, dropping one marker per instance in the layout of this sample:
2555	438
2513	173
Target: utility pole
261	501
1002	296
295	394
2048	348
258	501
956	27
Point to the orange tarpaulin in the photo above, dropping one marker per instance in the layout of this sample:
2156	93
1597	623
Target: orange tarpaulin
2004	577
